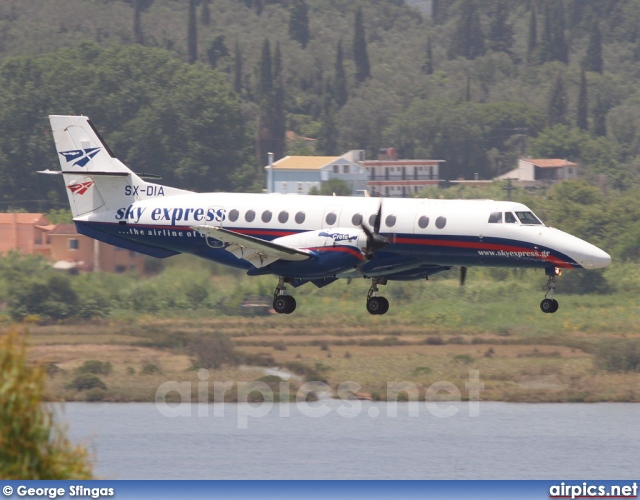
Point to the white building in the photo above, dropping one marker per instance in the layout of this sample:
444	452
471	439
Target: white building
298	174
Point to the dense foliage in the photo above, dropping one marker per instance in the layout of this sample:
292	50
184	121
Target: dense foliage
32	444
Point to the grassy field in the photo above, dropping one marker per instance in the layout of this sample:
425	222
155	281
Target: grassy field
435	331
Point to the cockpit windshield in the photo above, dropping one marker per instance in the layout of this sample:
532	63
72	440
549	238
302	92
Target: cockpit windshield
525	218
528	218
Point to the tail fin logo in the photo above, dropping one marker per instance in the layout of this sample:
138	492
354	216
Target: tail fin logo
80	188
80	157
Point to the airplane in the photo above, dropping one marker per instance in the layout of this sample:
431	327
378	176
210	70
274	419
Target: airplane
301	239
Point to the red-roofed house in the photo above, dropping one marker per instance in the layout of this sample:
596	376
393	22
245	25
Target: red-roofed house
32	234
26	233
83	253
532	170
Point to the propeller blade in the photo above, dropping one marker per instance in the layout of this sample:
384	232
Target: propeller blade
463	275
376	223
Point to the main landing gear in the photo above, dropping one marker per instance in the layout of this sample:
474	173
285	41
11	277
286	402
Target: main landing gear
549	304
283	304
375	304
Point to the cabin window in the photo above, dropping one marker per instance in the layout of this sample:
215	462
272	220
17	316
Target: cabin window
331	218
356	220
528	218
266	216
495	218
509	218
441	222
250	215
372	219
73	244
299	218
283	217
233	215
423	222
390	221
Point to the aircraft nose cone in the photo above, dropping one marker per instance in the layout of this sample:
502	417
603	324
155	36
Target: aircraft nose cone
599	258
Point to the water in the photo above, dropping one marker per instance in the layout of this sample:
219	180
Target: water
505	441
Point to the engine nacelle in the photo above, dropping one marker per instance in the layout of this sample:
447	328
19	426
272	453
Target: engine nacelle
323	239
334	251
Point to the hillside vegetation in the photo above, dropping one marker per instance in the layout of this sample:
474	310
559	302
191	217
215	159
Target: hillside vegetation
201	101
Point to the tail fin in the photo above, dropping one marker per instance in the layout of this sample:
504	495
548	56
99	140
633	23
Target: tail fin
96	180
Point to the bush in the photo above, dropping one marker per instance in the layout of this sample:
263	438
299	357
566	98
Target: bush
33	445
87	381
434	340
213	351
618	355
96	367
149	368
464	359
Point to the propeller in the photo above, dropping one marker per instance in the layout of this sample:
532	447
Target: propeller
463	275
375	241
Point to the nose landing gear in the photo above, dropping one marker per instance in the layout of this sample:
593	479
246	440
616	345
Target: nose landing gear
549	304
375	304
283	304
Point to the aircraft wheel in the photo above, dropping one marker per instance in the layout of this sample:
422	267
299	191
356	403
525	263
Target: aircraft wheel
375	305
284	304
291	304
384	305
549	305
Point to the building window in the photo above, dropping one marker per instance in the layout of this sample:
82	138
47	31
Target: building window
73	244
300	188
120	268
284	187
336	169
345	169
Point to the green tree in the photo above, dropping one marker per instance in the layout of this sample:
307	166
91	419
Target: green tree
557	105
192	33
299	23
583	104
205	13
237	68
331	187
532	39
32	444
600	117
558	43
139	6
360	55
468	38
500	34
340	91
593	58
216	51
427	65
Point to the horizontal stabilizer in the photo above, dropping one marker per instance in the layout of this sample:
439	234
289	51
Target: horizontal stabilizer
259	252
86	174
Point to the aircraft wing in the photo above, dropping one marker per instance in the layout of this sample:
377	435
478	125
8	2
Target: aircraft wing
259	252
